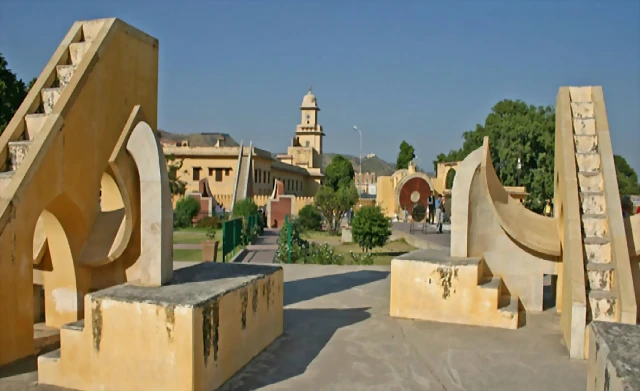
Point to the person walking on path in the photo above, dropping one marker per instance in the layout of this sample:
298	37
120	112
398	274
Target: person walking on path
440	212
431	208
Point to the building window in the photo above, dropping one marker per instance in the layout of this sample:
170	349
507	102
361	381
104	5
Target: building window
269	176
218	175
255	176
211	171
306	144
227	171
196	173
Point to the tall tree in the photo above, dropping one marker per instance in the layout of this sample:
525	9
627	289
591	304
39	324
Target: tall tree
338	173
516	130
178	187
12	93
405	156
627	177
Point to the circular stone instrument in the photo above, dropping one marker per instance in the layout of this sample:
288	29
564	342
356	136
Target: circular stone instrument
414	192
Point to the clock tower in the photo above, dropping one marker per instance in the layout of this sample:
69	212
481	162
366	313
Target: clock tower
309	133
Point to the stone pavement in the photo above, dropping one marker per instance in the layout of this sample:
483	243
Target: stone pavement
338	335
263	251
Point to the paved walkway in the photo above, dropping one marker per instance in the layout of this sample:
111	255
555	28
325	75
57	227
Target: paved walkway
263	251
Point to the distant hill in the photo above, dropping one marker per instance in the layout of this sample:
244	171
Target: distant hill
372	164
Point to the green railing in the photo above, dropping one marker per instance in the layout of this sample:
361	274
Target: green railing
231	237
237	233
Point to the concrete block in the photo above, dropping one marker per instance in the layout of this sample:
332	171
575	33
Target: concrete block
430	285
64	74
614	360
597	251
18	150
595	226
193	334
584	126
49	98
586	144
593	203
590	182
77	51
347	236
603	305
582	109
588	162
580	94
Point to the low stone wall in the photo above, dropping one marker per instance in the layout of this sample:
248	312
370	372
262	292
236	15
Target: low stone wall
614	357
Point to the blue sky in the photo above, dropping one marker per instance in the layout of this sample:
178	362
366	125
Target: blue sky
421	71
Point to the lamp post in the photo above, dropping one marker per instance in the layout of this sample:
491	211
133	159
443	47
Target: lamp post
360	132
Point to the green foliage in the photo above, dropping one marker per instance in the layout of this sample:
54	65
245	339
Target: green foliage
405	156
627	177
211	233
370	228
12	93
339	173
451	174
245	208
333	204
310	218
208	222
516	130
304	252
176	186
186	209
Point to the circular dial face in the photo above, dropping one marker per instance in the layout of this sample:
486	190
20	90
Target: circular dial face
414	191
419	212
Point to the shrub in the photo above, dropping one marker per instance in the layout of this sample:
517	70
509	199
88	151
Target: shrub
310	218
245	208
304	252
208	221
186	209
370	228
361	258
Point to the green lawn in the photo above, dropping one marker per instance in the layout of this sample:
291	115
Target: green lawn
193	235
188	255
382	256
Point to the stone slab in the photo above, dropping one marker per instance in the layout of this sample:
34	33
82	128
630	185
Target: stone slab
187	288
614	357
193	334
439	256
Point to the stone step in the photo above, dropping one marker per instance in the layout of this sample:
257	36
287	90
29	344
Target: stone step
53	355
65	72
90	29
595	225
34	123
490	290
508	304
590	181
17	151
597	250
588	162
580	94
584	126
593	203
600	276
49	98
71	333
77	50
5	178
585	143
582	110
603	305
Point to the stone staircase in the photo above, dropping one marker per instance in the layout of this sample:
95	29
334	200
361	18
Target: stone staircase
243	176
431	285
33	122
599	268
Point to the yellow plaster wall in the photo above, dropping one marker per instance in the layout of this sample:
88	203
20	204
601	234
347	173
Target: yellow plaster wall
63	170
168	347
441	292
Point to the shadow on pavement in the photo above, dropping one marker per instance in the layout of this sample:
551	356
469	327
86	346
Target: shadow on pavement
309	288
306	332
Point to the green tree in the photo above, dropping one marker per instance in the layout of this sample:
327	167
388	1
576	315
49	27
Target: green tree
12	93
627	177
338	173
245	208
310	218
176	186
516	130
451	174
186	209
370	228
333	204
405	156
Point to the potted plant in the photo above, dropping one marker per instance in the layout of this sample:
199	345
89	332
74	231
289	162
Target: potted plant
210	246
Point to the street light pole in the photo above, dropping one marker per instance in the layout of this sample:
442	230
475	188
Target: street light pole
360	132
